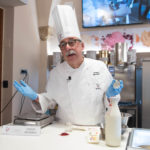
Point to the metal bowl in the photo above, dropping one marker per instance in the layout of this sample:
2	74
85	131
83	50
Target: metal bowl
125	118
124	121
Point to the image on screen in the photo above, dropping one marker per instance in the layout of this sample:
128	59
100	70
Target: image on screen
115	12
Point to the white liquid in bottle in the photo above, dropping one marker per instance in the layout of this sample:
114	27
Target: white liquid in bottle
113	125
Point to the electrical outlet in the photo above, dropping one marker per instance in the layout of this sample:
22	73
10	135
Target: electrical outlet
23	71
5	83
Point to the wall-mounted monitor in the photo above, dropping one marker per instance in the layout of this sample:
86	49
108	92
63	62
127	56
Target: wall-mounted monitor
101	13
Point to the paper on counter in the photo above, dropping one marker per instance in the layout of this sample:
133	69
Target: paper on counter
11	129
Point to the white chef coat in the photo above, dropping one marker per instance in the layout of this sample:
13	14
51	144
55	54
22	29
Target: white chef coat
81	99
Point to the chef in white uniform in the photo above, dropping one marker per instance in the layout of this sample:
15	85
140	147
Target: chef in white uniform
80	86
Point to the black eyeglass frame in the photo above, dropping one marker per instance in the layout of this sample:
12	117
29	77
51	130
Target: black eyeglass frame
63	44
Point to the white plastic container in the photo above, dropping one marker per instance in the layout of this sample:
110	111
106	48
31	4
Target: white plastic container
93	135
113	125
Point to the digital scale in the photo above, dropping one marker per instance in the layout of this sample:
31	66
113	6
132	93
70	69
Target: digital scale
33	119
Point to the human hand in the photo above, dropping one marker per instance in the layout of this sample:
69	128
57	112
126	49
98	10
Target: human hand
112	90
25	90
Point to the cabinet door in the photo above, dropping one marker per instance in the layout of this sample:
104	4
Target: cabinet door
146	94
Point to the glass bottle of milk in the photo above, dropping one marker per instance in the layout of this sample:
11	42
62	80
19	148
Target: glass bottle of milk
113	124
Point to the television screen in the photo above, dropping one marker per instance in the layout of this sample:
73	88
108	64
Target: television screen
115	12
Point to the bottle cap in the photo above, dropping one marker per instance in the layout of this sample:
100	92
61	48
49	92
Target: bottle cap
116	85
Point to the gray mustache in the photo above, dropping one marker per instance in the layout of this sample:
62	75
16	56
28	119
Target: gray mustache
70	52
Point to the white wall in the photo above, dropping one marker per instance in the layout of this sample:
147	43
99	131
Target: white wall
7	53
26	48
43	10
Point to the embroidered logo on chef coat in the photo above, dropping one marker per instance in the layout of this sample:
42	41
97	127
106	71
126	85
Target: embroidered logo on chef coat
96	76
96	73
95	80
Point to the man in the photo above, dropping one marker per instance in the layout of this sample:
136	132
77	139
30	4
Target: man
78	85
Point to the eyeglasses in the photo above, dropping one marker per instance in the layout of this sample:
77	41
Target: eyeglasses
71	43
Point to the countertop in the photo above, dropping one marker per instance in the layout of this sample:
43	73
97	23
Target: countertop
50	139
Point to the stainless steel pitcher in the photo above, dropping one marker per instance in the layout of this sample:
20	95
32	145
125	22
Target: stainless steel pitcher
121	53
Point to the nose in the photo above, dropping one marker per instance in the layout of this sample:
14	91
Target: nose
67	46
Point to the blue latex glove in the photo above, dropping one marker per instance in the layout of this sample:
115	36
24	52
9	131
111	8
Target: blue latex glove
25	90
114	91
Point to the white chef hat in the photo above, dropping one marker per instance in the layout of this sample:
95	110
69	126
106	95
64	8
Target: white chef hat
65	22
